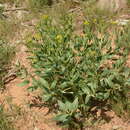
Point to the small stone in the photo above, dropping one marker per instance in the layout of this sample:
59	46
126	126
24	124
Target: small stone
116	127
1	5
122	22
36	128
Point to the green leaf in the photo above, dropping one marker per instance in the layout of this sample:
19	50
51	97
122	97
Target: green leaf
86	90
75	104
72	106
87	99
92	86
61	117
44	82
100	96
109	81
106	95
128	82
64	85
24	83
47	97
53	85
69	106
31	88
62	106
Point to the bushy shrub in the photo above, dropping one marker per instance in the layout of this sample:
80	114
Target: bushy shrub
77	72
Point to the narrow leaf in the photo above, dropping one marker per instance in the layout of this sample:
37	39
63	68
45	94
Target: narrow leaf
44	82
24	83
61	106
61	117
53	85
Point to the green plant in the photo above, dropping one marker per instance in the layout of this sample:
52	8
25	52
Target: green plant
5	124
1	10
77	72
128	2
6	54
122	36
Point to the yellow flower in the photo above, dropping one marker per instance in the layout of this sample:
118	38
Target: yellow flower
86	23
45	17
59	38
37	36
34	60
95	20
92	53
113	22
29	39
